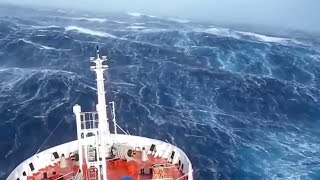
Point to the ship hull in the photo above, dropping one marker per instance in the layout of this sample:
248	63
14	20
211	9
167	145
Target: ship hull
51	157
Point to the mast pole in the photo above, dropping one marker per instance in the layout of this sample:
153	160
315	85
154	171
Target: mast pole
101	107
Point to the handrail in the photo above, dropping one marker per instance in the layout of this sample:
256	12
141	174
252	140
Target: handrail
163	165
122	129
75	177
182	176
64	175
108	160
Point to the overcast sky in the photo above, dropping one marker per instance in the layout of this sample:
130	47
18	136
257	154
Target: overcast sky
294	14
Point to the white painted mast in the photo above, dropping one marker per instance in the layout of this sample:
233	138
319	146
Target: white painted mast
94	153
101	106
104	131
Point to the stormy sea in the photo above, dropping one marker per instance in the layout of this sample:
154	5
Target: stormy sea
241	104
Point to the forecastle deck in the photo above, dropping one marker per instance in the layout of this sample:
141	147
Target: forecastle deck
153	168
167	162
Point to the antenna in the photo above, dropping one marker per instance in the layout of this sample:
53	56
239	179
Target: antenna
98	51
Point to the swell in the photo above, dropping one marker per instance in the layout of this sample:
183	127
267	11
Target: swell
241	105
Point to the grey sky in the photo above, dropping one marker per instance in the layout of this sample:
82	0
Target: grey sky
294	14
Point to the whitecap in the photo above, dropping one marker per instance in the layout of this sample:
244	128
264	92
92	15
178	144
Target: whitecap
217	31
139	24
136	27
223	32
89	31
119	22
38	45
61	11
179	20
43	27
152	16
100	20
135	14
263	37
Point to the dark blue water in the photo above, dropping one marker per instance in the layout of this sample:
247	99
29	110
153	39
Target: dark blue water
241	105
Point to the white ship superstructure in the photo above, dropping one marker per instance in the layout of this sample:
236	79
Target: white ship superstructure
99	154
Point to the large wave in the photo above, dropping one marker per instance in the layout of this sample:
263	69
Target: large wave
243	105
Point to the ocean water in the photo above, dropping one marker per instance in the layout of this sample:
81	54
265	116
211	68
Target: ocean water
242	105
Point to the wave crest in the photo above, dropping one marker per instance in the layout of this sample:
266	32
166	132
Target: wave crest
89	31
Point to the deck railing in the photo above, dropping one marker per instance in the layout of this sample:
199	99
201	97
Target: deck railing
65	175
161	179
185	175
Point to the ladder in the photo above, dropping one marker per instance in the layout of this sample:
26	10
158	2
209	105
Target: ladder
91	154
92	173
